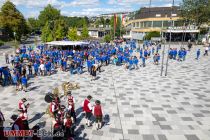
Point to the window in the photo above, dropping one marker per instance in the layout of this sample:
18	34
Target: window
157	23
133	24
148	24
166	23
137	24
142	24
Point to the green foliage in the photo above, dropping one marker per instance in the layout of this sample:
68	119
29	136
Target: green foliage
33	24
107	38
11	20
72	34
149	35
75	21
85	30
46	33
1	43
61	28
49	14
196	11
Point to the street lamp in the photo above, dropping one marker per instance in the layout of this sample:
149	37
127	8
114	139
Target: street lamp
166	72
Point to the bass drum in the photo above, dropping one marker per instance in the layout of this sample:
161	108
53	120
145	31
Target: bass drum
48	97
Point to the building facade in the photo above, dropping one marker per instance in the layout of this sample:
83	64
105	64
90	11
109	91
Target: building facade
160	19
96	32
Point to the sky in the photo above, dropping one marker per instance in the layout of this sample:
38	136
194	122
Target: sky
31	8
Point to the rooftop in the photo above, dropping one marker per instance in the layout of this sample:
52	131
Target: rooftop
153	12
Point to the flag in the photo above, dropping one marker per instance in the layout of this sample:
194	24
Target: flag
115	22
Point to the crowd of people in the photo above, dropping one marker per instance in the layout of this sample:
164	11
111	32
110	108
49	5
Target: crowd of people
28	63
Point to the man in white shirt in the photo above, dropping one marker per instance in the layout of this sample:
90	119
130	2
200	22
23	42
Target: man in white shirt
206	51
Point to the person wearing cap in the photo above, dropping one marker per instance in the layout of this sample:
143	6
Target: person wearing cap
87	108
97	111
22	105
24	117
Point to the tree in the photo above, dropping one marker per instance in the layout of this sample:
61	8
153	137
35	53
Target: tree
149	35
33	24
196	11
49	14
60	29
11	20
72	34
107	38
47	34
85	30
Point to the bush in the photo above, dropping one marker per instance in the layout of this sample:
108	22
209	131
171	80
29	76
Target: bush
149	35
107	38
1	43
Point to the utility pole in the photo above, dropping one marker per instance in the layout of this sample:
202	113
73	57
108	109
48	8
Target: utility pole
169	46
163	55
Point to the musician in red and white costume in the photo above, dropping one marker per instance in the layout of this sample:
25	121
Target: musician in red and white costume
17	124
71	107
24	117
68	123
54	108
87	108
61	113
98	113
22	105
70	98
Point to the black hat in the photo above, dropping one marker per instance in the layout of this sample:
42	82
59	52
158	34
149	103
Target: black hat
69	92
24	99
14	117
97	102
89	97
63	107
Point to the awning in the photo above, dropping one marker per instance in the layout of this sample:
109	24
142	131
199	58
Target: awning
181	31
67	43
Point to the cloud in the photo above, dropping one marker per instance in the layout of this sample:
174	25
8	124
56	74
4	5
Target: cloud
82	3
95	11
142	2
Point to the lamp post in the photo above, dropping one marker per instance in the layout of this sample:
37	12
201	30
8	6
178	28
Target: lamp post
166	72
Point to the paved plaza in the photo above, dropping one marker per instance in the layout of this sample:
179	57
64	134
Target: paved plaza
140	104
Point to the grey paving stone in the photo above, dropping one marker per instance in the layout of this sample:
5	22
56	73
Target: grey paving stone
139	123
98	133
115	130
198	115
138	112
128	115
148	137
133	131
162	137
192	137
171	112
187	119
165	127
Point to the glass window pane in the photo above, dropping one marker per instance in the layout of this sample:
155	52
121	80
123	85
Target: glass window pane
148	24
157	23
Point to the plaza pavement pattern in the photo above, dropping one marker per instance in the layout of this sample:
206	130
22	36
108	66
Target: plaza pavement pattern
140	104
